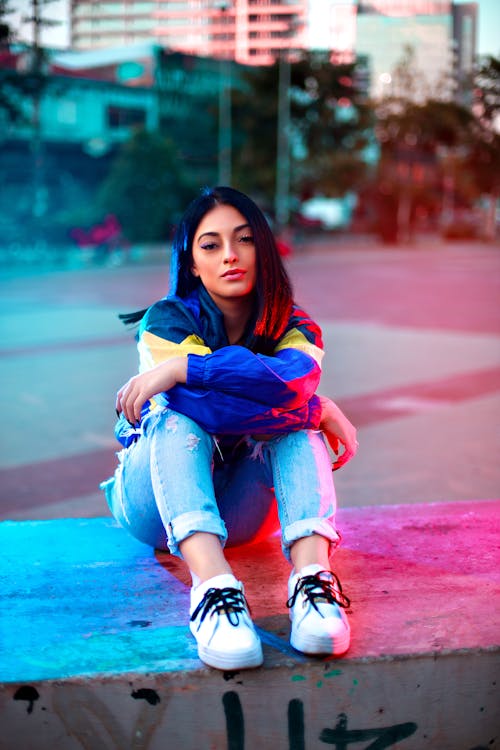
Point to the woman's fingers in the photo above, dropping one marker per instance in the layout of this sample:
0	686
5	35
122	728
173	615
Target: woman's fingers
350	448
343	459
130	400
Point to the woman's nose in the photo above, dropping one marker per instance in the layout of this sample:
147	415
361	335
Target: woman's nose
230	254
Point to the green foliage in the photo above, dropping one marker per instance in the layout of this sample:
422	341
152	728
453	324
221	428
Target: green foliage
439	149
6	31
18	87
255	113
330	121
452	135
144	188
483	154
487	90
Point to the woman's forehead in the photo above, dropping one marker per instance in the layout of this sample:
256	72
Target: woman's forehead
221	218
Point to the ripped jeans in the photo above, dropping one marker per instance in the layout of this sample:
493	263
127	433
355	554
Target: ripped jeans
171	483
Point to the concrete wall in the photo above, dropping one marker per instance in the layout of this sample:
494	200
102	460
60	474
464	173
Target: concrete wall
446	702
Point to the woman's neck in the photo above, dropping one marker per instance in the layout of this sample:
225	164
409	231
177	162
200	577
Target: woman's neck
236	314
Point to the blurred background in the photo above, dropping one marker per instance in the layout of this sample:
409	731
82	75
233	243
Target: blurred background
370	134
377	117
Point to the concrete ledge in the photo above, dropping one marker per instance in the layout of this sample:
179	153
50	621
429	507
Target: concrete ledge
96	652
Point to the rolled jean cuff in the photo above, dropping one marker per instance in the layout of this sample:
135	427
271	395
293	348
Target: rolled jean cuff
189	523
308	527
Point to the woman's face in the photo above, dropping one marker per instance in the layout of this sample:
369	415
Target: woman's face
224	255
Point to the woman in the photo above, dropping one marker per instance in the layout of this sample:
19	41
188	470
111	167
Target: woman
222	421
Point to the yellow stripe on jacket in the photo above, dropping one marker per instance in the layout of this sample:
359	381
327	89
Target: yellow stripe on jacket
294	339
153	349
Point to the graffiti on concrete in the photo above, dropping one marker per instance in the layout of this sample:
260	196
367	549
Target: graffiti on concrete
340	737
146	694
29	694
87	719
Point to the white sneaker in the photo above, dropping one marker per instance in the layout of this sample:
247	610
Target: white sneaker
220	622
316	602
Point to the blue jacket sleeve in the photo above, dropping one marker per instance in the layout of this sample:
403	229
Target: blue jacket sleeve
221	413
288	379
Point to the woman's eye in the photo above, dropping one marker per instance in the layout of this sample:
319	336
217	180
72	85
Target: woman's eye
246	238
209	246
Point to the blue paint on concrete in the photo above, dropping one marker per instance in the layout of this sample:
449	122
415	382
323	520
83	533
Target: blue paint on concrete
280	645
81	597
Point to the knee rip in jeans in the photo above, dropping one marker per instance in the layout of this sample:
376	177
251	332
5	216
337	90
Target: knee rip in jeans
171	423
192	442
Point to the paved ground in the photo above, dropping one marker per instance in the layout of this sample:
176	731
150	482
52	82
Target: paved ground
413	342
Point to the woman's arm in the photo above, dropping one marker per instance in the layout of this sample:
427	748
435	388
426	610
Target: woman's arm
338	431
139	389
287	379
231	390
227	414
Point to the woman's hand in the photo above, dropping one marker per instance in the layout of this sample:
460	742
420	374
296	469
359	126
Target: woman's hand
133	395
339	431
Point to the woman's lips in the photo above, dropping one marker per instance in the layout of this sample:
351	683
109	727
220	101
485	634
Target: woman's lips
233	274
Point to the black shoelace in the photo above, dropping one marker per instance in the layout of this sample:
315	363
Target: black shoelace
228	601
317	589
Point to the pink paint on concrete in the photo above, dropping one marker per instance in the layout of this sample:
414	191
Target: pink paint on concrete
97	644
421	578
415	398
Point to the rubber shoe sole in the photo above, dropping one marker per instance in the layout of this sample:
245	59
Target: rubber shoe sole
248	659
321	644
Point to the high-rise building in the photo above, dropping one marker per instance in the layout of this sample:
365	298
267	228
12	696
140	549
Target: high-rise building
331	26
248	31
409	45
441	33
465	44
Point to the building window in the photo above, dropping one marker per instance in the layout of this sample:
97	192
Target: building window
125	117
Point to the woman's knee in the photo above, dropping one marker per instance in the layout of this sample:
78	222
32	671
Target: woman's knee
174	425
136	513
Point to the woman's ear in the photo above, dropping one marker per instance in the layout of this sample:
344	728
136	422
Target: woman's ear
194	270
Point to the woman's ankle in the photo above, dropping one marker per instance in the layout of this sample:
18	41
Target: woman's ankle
310	550
204	556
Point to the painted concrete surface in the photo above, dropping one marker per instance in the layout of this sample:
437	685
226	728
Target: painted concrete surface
96	651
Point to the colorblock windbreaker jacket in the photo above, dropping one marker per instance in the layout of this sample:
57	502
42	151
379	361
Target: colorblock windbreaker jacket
229	389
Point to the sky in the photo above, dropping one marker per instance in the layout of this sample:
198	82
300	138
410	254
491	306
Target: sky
488	32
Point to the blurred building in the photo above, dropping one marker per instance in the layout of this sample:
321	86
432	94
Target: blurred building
98	96
441	33
465	22
252	32
248	31
437	38
83	108
331	26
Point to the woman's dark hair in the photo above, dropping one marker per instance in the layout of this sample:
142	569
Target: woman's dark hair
273	293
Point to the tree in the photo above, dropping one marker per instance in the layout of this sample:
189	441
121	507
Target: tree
6	32
435	152
331	119
254	115
418	142
145	188
483	159
21	91
9	80
329	129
